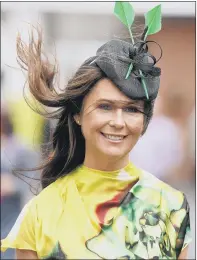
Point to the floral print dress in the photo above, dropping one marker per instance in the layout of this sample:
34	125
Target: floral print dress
92	214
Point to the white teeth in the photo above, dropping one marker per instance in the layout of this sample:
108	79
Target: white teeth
114	137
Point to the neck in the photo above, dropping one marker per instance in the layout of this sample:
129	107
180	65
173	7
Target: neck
104	163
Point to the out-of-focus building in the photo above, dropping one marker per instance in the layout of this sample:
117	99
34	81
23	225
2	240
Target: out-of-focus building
73	31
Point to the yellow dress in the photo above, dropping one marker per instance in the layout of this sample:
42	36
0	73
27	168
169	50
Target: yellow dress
91	214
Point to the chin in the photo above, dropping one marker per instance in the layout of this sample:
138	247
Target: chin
114	153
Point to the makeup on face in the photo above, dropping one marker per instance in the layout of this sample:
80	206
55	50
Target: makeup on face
111	122
112	109
129	107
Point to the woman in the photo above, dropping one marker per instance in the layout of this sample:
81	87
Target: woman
95	204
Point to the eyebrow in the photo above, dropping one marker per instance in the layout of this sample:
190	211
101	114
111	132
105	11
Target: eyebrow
132	102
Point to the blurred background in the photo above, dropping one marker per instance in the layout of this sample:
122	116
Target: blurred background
74	31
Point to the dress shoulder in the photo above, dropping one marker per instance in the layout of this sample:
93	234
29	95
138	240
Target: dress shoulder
22	234
153	183
39	211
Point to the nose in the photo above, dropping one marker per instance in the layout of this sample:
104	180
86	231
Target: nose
119	119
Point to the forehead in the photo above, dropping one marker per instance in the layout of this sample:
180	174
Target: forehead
106	89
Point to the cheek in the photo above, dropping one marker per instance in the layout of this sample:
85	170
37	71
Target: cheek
91	124
136	127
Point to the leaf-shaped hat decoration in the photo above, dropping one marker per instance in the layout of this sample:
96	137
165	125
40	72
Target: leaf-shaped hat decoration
125	12
153	20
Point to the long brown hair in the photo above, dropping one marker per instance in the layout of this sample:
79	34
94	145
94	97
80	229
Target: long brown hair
68	143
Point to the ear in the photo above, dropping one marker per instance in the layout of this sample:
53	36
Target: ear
77	119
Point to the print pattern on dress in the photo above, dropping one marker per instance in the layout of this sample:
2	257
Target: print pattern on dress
142	231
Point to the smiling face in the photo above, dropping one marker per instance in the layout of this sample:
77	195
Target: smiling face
110	121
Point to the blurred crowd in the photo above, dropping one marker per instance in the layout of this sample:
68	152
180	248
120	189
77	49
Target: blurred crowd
15	193
168	147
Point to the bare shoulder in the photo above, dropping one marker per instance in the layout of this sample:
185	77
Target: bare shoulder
26	254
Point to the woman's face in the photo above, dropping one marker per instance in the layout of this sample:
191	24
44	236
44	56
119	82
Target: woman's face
111	122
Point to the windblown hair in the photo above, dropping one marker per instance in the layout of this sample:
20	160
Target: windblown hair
68	150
